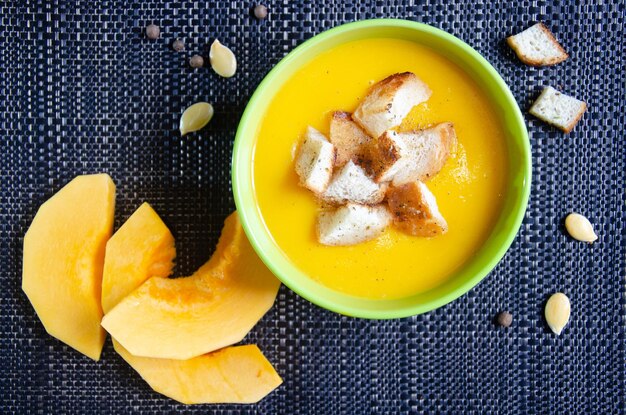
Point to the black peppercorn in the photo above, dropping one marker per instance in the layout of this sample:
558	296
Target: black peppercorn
260	11
196	61
178	45
504	319
153	31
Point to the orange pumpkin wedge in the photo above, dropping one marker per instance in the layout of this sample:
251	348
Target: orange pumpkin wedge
142	247
63	259
235	374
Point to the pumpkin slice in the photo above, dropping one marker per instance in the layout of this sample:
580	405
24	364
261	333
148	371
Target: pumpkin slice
236	374
142	247
63	259
186	317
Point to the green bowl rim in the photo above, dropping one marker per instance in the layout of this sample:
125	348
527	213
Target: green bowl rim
243	174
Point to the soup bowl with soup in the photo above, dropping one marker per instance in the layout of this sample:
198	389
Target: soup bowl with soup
482	190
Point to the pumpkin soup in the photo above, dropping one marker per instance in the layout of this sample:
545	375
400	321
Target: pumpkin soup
469	189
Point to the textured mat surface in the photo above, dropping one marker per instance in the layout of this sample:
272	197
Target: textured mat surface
82	91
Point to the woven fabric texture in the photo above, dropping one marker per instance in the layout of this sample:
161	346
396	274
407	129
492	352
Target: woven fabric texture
83	91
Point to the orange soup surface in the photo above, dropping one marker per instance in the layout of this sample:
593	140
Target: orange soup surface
469	189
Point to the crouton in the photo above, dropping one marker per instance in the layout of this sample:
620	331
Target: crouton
315	160
408	156
381	159
537	46
351	184
427	152
558	109
352	224
347	137
414	210
389	101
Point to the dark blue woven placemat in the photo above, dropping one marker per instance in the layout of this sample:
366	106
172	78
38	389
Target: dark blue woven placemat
82	91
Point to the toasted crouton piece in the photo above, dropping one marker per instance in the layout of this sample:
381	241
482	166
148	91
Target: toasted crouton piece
382	158
558	109
351	184
414	210
408	156
389	101
537	46
352	224
347	137
315	160
427	152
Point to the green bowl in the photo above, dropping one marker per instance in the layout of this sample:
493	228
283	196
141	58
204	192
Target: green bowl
505	229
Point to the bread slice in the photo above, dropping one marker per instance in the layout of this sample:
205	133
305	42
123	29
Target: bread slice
347	137
315	161
389	101
414	209
351	184
384	157
558	109
537	46
352	224
409	156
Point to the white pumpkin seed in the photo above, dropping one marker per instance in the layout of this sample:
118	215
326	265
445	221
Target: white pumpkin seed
557	312
580	228
223	60
195	117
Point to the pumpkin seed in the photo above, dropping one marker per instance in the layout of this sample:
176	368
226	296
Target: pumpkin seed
195	117
223	60
557	312
580	228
